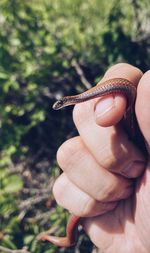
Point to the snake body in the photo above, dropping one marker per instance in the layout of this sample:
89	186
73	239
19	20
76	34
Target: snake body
112	86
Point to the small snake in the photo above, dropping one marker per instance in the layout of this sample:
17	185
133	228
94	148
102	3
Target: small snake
112	86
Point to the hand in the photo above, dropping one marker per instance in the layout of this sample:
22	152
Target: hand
104	177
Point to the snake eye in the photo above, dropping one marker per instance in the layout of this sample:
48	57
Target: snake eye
60	103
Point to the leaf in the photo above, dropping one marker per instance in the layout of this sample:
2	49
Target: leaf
3	75
12	184
28	239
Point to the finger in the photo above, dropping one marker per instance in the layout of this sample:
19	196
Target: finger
143	106
110	110
103	229
111	230
83	170
110	146
76	201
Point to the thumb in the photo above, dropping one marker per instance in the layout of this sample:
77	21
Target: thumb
143	106
109	110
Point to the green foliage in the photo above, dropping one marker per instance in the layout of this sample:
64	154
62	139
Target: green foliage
38	41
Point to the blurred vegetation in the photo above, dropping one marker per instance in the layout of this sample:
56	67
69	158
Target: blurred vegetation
49	49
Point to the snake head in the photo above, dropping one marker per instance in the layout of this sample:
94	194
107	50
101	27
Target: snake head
58	104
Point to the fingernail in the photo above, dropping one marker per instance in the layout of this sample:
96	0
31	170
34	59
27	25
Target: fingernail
103	106
134	169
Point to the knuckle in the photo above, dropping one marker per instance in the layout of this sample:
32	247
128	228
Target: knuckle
59	189
122	66
107	192
115	190
69	151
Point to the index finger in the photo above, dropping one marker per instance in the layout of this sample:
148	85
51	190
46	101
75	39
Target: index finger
110	146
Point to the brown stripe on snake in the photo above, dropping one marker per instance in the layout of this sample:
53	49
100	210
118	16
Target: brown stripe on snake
112	86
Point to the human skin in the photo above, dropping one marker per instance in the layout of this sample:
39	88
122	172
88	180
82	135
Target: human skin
105	178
